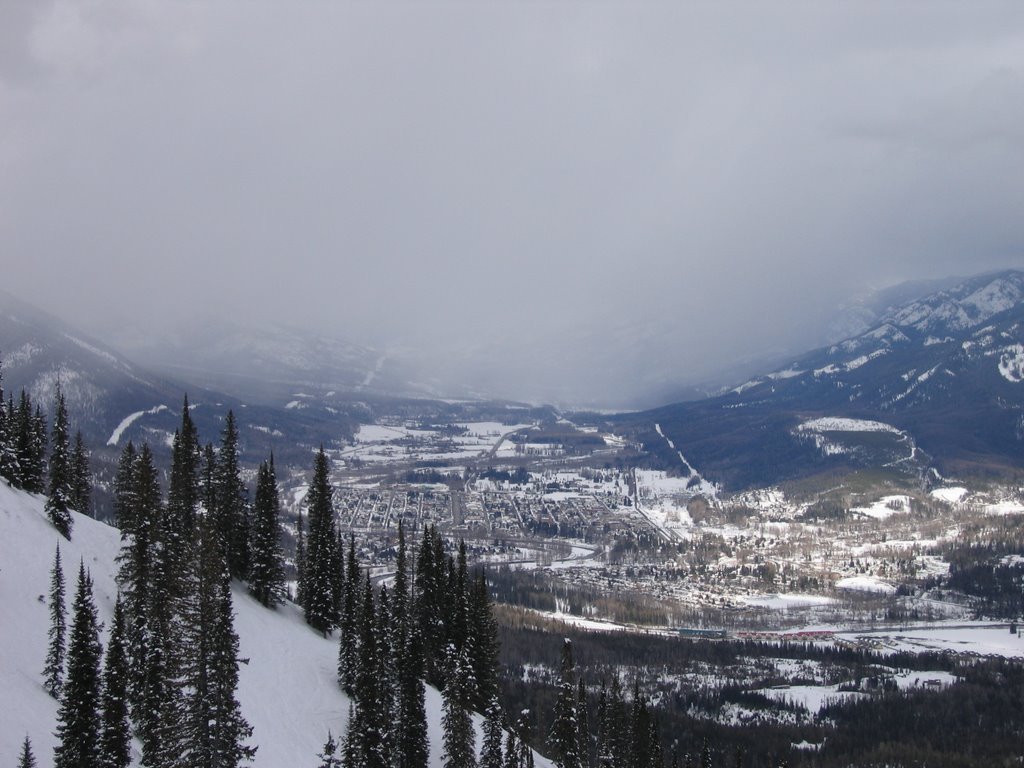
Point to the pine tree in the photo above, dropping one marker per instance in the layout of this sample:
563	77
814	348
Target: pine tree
583	723
513	752
459	736
124	490
78	721
410	739
27	759
329	757
115	734
8	454
61	480
482	642
564	736
81	477
182	495
266	561
231	508
641	744
212	729
370	724
321	556
300	559
53	672
27	427
490	752
348	650
705	756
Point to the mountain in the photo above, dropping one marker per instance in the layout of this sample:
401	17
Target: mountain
942	372
287	686
113	400
272	363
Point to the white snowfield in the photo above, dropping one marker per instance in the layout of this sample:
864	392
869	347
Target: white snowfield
130	419
837	424
287	682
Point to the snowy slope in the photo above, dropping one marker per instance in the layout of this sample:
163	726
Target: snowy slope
287	688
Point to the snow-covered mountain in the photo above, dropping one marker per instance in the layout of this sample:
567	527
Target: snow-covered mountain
268	363
113	399
287	686
946	369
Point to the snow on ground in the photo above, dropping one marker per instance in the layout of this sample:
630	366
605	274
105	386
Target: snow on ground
127	421
885	507
1005	507
866	584
836	424
813	698
785	602
1011	364
287	686
953	495
984	639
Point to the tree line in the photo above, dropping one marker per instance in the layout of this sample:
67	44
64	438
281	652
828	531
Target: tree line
63	473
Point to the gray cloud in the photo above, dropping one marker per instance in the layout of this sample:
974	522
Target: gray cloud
466	174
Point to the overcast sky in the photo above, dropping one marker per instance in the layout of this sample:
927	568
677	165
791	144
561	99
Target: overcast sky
467	171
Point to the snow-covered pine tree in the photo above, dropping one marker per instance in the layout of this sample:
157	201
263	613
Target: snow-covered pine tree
329	757
115	732
29	436
8	455
513	752
60	487
300	559
583	723
490	751
318	587
564	735
231	508
26	759
370	725
459	735
483	642
124	490
53	671
213	731
411	743
81	477
182	493
348	648
641	726
78	719
266	560
387	676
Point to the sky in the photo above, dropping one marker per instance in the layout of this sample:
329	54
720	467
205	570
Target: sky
520	176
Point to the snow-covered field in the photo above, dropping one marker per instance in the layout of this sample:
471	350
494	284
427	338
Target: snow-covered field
287	687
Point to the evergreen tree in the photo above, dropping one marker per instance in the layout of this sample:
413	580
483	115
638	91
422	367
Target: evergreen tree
124	489
431	603
78	721
60	491
8	454
564	736
27	759
410	740
300	559
490	752
231	508
513	752
482	642
29	437
53	672
266	561
583	723
321	556
115	733
348	650
370	717
459	736
329	757
81	477
705	756
182	496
